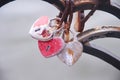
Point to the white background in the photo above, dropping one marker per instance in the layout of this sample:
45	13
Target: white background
19	55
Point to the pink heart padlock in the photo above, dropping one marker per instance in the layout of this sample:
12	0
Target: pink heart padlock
51	47
43	29
71	53
40	29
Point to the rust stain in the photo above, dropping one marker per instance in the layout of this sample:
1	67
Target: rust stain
70	51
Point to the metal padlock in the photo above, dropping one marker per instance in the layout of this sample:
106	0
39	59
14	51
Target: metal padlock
71	53
43	29
52	47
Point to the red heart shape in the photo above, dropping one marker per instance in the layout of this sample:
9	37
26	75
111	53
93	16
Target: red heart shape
51	47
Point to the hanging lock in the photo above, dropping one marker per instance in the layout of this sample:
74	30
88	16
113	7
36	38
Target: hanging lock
72	52
52	47
43	29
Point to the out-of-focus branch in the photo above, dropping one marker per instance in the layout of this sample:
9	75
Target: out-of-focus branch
3	2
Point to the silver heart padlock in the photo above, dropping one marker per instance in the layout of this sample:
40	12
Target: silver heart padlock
43	29
72	52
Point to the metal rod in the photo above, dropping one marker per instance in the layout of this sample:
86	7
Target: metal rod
96	33
102	55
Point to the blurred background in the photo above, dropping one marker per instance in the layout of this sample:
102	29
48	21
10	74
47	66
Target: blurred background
19	55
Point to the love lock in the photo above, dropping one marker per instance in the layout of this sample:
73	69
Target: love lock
39	29
52	47
71	53
43	29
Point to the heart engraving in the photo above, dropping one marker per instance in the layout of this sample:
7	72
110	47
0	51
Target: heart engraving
51	47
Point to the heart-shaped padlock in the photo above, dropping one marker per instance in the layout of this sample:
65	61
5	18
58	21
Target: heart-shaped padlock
43	28
51	47
39	29
71	53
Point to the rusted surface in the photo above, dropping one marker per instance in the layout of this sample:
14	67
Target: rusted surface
79	25
82	2
78	4
70	51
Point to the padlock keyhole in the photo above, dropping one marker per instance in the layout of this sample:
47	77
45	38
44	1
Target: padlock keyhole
48	48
